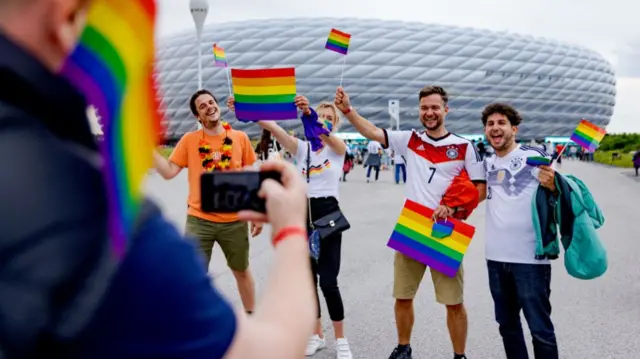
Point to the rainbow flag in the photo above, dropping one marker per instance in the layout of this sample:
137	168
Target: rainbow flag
537	161
441	245
265	94
219	57
113	66
588	135
338	41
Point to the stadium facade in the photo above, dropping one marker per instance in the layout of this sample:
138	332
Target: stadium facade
553	84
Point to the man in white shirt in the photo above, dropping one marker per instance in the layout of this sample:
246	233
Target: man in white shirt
434	157
517	278
374	158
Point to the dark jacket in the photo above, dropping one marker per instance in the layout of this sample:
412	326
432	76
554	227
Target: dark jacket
548	220
54	251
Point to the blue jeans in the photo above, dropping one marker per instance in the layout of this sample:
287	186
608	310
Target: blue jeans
401	167
376	168
525	287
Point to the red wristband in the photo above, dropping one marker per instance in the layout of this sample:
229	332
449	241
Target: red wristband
347	110
287	232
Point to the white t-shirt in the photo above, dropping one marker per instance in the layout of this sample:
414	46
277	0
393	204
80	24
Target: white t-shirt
374	147
397	158
511	186
433	163
325	170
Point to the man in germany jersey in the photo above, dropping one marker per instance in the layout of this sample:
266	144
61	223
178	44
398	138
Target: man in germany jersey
434	158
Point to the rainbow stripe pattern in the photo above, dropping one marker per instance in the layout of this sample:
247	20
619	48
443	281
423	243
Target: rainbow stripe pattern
220	60
537	161
113	66
439	245
588	135
338	41
264	94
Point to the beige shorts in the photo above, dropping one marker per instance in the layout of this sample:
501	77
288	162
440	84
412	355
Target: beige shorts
408	273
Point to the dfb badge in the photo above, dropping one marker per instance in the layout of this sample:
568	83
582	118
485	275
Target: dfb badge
452	153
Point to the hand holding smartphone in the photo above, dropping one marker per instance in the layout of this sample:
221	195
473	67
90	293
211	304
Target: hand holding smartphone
231	192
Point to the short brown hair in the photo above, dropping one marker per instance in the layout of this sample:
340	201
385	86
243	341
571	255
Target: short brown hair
434	90
501	108
194	97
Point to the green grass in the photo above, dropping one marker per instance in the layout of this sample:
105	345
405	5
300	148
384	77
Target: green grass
165	151
605	157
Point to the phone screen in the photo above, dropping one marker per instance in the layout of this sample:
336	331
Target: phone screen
230	192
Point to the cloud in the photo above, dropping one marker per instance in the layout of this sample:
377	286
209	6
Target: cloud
626	114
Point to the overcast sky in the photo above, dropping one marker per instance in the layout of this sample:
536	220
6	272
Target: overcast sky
610	27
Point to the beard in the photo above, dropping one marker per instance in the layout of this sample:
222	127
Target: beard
432	124
502	144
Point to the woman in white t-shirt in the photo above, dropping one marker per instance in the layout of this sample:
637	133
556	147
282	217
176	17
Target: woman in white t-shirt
325	169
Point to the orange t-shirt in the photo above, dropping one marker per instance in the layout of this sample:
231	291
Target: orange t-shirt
186	154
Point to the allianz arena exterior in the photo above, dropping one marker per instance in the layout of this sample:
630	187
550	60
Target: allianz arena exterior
552	84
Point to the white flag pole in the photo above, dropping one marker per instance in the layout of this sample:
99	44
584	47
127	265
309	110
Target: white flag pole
344	62
229	82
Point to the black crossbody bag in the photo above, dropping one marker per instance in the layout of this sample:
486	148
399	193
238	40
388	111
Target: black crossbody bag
332	223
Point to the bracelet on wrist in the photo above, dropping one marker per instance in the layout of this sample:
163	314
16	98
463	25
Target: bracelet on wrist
347	110
287	232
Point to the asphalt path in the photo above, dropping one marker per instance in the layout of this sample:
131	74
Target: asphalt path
594	319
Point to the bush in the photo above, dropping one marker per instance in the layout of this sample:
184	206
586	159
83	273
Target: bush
624	142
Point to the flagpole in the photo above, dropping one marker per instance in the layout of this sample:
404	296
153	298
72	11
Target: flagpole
560	153
344	62
229	82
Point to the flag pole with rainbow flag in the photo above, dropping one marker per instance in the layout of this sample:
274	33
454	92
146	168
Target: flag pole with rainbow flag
113	66
587	135
338	41
220	60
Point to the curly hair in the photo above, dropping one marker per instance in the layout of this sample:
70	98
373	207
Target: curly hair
434	90
503	109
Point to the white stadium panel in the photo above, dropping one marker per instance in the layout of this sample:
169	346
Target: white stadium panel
553	84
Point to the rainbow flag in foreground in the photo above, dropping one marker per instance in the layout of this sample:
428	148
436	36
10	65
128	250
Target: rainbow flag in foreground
338	41
113	66
265	94
439	245
588	135
218	55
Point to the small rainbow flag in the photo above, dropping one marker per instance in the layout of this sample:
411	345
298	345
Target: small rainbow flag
218	55
537	161
588	135
338	41
441	245
265	94
113	66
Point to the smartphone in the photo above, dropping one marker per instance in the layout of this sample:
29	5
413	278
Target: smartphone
230	192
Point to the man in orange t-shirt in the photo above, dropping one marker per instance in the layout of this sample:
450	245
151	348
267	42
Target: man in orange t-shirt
224	149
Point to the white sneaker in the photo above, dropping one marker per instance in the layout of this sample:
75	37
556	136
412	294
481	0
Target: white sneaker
342	349
314	344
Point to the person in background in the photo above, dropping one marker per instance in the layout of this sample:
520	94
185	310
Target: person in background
348	164
268	148
226	229
636	161
157	302
320	160
374	158
400	166
482	149
518	279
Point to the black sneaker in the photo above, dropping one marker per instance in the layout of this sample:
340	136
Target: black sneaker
403	352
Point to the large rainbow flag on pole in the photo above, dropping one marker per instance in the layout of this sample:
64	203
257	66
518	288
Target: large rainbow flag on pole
113	66
588	135
439	245
264	94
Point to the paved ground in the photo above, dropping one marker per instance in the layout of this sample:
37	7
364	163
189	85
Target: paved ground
594	319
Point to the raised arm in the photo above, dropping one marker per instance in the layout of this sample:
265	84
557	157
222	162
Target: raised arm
286	140
361	124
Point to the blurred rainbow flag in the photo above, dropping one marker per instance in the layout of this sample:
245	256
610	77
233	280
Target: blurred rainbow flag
265	94
338	41
219	56
113	66
440	245
588	135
